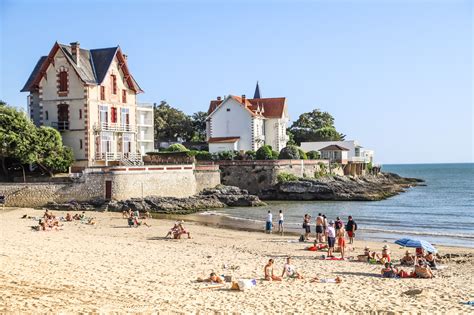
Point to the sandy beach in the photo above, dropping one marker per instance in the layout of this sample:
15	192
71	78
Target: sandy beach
109	267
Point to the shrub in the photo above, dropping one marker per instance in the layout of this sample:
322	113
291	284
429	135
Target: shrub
313	155
264	153
203	156
303	155
250	155
177	147
227	155
290	152
286	177
275	155
322	170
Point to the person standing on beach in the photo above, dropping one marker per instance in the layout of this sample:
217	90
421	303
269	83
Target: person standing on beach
307	226
319	228
280	222
269	223
331	234
341	241
351	227
338	224
325	226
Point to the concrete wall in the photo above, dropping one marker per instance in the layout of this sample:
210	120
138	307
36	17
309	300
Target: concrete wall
257	175
127	182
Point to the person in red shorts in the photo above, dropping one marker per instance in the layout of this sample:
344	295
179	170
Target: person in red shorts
351	227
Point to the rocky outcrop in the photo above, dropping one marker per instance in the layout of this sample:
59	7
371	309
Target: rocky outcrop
218	197
364	188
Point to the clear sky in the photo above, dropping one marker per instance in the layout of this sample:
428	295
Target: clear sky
396	75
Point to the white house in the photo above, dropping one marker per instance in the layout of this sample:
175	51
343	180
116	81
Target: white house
355	152
241	124
145	128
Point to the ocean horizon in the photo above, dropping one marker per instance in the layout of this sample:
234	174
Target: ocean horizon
440	212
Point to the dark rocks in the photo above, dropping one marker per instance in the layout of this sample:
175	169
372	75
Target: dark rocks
366	188
218	197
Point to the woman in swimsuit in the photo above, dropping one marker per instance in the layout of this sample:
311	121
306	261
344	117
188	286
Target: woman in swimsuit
269	276
341	241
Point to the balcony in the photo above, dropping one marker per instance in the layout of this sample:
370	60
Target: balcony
127	158
145	122
145	138
60	125
359	159
116	127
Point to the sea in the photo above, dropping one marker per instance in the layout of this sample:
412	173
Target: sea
442	212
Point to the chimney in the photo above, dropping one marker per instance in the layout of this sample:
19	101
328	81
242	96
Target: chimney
75	52
125	57
219	98
243	99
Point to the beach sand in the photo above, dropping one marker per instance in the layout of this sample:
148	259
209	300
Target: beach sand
112	268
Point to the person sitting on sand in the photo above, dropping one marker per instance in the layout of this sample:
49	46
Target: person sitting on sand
385	256
422	270
126	213
68	217
408	259
290	270
143	222
147	215
430	259
389	271
182	230
213	278
91	221
269	276
174	230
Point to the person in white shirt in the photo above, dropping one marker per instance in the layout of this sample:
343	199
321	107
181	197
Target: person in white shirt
331	234
269	224
280	222
290	270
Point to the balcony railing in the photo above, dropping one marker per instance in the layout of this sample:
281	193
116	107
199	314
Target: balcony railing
117	156
117	127
359	159
60	125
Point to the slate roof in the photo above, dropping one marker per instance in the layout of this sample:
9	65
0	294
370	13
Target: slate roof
92	69
333	147
272	107
257	92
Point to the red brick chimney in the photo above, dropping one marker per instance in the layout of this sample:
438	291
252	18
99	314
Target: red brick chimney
219	98
243	99
125	57
75	52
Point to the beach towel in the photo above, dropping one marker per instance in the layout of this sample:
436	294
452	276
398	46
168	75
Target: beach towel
334	258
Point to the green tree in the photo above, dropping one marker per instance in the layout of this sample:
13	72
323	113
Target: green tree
264	153
198	121
50	153
315	126
313	155
177	147
290	152
17	136
171	123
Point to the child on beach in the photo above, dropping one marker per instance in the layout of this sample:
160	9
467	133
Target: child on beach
290	270
269	276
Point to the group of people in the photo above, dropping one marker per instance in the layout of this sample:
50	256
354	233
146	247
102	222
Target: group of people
177	230
269	222
290	271
133	218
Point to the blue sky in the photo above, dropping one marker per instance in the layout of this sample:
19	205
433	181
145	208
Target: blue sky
396	75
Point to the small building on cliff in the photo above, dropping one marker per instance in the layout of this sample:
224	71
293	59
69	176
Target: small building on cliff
355	152
241	124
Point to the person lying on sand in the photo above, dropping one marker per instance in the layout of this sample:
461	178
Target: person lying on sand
269	276
336	280
213	278
422	270
408	259
290	270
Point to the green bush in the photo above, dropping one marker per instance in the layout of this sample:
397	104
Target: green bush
303	155
250	155
203	156
275	155
322	170
290	152
313	155
264	153
177	147
286	177
227	155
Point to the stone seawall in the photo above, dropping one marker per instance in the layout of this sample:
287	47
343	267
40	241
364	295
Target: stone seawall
256	176
117	183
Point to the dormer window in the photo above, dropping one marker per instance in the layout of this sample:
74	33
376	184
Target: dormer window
113	78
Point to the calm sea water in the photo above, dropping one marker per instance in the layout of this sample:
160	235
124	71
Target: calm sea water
441	212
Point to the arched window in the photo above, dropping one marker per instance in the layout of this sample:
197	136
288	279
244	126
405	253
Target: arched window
63	81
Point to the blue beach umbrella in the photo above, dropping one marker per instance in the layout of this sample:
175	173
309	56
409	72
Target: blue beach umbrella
409	242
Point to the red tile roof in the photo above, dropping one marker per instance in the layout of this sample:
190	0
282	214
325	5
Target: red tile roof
272	107
223	139
333	147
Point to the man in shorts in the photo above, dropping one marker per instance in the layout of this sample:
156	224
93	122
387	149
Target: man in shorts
269	223
331	234
351	227
319	228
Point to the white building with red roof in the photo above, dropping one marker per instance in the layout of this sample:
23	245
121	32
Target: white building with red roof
241	124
